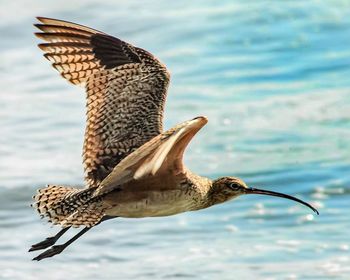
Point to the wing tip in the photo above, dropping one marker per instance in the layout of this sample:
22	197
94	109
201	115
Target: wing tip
38	25
63	23
201	120
42	19
43	46
40	35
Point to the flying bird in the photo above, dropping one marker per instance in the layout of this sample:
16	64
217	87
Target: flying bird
133	168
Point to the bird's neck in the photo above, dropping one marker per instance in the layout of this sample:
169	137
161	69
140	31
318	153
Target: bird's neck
200	187
216	194
212	197
207	191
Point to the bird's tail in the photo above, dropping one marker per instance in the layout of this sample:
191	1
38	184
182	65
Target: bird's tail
67	206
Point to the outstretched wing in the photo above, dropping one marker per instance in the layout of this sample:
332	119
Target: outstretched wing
162	154
126	90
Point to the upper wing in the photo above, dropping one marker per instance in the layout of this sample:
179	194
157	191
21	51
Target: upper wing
162	154
126	90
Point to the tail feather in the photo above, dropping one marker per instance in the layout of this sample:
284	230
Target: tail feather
67	206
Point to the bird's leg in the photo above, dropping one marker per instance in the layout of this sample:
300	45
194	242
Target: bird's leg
49	241
57	249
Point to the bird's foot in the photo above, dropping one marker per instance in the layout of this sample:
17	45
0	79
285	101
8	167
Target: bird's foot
43	244
54	250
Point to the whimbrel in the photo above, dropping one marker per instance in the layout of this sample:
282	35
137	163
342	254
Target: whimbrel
133	169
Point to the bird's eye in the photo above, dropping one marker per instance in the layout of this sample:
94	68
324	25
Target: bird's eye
234	186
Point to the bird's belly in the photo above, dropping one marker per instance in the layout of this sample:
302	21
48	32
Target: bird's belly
153	204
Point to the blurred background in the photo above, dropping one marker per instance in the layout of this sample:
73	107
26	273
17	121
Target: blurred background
273	78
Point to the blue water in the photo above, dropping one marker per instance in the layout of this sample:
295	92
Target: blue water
273	79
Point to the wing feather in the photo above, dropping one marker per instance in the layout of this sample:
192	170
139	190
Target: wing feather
162	154
126	90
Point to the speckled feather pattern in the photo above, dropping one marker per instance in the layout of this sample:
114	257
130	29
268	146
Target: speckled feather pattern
126	90
124	140
67	206
124	112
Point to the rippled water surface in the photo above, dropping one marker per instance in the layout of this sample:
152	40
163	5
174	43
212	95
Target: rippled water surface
273	78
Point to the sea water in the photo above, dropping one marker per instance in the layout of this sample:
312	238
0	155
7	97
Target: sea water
273	79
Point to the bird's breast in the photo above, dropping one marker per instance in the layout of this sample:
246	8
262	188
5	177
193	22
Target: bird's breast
138	204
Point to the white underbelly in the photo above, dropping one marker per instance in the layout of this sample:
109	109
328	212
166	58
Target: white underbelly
156	204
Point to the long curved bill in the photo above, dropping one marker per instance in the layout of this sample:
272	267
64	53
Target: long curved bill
258	191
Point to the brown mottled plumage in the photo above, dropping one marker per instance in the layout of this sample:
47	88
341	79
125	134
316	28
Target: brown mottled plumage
133	169
126	89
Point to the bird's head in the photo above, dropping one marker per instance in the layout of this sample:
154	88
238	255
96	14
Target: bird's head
227	188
